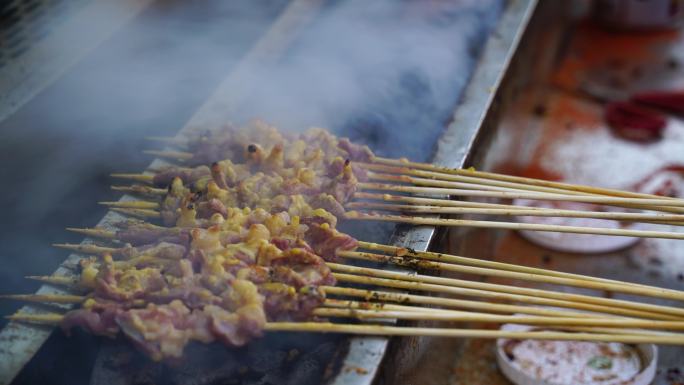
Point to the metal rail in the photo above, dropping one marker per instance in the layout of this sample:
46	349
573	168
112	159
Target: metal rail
455	147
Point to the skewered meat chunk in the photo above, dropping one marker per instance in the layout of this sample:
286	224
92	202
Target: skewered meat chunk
166	177
275	172
249	232
255	143
223	284
182	208
140	233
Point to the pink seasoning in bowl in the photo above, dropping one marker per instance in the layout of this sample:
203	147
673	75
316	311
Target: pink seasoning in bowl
575	362
536	362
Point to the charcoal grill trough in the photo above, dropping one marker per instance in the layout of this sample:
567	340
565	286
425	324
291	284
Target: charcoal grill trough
354	360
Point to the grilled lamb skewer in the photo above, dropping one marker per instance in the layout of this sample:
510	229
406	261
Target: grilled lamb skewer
299	196
220	283
233	143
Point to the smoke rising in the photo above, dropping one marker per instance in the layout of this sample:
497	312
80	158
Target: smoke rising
387	73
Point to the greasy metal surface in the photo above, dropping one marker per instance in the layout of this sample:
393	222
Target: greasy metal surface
479	100
31	62
552	125
19	342
411	356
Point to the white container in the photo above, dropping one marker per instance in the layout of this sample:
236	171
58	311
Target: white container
648	353
571	242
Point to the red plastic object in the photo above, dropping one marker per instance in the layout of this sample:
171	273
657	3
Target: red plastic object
634	122
671	101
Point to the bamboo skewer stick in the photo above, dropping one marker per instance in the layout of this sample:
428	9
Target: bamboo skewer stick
372	306
455	259
504	181
54	318
112	235
467	288
438	201
403	166
55	280
138	189
177	155
467	179
132	204
395	297
494	210
408	285
402	312
515	179
166	167
437	183
484	290
328	327
94	233
429	171
588	284
145	178
452	303
522	294
513	226
138	213
606	200
640	217
578	197
488	317
642	290
351	305
51	298
446	316
425	314
47	318
65	298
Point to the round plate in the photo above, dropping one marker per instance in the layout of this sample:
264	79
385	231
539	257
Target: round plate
569	242
648	352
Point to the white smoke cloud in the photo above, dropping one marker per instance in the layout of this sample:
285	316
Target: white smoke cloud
385	72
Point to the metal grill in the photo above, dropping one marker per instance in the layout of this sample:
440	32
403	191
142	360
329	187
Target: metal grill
22	41
23	23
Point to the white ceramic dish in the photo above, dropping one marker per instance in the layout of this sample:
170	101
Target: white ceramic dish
569	242
648	353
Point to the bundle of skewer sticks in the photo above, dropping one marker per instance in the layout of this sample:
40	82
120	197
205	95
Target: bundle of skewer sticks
558	315
375	296
400	191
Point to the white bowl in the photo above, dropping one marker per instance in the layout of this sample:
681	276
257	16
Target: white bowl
648	352
570	242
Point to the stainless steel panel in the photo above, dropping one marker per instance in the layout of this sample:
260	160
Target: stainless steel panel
411	357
